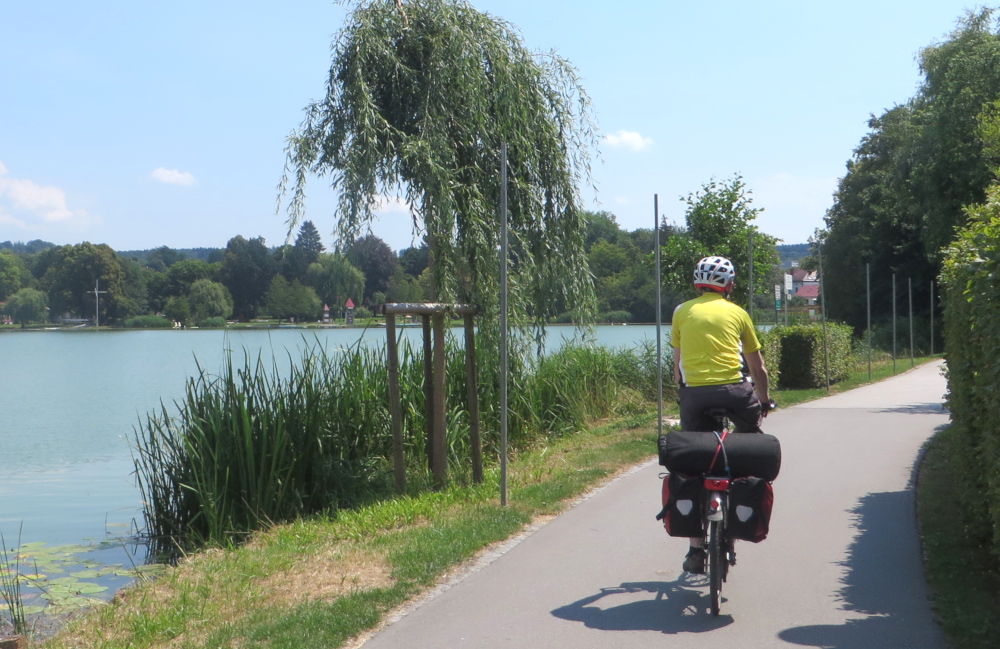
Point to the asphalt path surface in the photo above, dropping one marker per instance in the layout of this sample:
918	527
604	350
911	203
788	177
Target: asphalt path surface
840	569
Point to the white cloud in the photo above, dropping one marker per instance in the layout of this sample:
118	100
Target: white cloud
172	177
394	223
391	205
31	202
7	219
630	140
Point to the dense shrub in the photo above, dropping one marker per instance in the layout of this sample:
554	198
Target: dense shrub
215	322
149	322
971	278
804	359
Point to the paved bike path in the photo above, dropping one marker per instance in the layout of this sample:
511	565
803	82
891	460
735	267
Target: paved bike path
840	570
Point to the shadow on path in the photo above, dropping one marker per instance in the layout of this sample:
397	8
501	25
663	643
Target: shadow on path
671	607
883	587
917	409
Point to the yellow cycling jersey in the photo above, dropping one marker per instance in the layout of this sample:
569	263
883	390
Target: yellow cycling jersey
710	331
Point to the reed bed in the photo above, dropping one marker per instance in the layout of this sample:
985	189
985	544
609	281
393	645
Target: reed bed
260	444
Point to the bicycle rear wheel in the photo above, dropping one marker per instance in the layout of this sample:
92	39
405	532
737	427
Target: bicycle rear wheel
717	564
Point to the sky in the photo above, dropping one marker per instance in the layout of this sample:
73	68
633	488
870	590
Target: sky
141	124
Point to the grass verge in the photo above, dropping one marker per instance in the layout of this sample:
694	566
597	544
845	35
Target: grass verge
323	582
962	574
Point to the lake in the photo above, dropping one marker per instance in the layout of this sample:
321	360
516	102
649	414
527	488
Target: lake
71	400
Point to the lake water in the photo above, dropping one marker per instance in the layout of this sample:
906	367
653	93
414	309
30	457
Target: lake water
71	399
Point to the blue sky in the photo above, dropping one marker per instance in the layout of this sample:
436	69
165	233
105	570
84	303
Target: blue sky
142	124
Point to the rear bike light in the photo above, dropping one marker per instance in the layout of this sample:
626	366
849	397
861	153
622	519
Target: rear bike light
716	484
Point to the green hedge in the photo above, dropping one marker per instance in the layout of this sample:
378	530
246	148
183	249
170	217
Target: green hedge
803	360
770	343
971	281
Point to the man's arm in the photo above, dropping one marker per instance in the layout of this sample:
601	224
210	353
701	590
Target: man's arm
677	366
755	362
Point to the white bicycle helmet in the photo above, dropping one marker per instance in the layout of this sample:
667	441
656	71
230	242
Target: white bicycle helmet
715	273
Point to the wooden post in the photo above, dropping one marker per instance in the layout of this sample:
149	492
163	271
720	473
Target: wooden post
472	383
395	404
439	457
435	396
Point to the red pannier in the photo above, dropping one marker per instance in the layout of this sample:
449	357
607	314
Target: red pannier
682	504
750	502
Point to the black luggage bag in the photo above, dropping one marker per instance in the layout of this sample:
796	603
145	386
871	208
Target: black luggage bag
696	453
750	503
682	505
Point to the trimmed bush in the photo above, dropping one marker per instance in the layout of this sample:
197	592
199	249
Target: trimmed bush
770	343
804	361
216	322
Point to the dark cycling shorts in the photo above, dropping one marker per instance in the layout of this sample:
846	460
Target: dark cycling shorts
738	398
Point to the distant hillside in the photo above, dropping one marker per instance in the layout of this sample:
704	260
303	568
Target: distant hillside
791	253
29	248
204	254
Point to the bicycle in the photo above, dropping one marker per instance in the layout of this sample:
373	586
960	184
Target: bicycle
715	512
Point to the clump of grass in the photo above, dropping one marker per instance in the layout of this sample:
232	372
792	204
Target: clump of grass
258	445
10	584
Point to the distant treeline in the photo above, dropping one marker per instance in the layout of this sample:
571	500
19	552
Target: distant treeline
43	282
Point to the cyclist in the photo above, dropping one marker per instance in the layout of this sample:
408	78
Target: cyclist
711	338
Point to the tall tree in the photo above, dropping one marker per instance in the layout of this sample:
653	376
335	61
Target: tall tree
907	183
247	269
420	97
414	260
376	260
71	274
720	220
13	274
295	259
335	280
27	305
208	299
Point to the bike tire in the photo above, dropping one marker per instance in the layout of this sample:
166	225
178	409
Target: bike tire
716	565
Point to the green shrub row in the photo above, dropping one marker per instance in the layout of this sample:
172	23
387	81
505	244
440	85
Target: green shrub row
971	282
262	444
805	360
770	342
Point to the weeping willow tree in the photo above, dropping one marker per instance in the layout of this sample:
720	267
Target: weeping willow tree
419	98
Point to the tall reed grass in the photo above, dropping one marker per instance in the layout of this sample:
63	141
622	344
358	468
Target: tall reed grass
259	444
10	584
